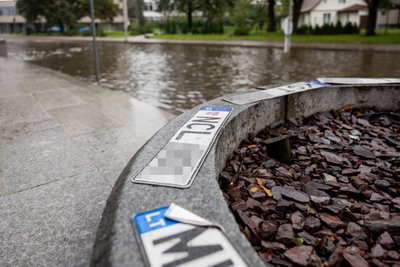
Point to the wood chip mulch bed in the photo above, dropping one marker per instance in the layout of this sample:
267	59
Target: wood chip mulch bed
336	200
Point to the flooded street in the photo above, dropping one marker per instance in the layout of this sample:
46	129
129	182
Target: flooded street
179	77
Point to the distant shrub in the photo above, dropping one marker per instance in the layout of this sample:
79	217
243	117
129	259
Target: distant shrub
148	27
179	25
134	28
328	29
86	33
351	28
100	31
71	32
170	27
241	31
316	30
339	28
212	27
356	28
304	29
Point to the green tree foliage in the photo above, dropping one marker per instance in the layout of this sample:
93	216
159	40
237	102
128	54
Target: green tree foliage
137	9
65	13
215	8
247	15
104	9
258	14
200	26
240	16
185	6
209	8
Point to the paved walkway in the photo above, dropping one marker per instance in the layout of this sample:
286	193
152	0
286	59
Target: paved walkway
63	144
142	40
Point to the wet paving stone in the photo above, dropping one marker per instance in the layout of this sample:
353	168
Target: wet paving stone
335	202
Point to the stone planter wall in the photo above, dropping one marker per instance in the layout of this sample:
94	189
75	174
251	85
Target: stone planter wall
116	244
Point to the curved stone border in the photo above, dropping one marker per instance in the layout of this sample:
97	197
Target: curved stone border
116	244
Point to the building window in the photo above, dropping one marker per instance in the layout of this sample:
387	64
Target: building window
7	11
327	18
148	6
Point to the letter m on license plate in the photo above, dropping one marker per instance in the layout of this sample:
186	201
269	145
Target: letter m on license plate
168	243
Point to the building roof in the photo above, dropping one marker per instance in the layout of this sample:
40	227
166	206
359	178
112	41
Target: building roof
308	5
353	8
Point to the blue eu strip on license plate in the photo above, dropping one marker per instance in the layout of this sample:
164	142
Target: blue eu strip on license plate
169	243
179	160
247	98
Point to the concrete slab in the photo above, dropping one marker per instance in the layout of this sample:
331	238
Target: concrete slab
10	89
110	158
82	119
56	98
52	225
88	94
36	154
40	84
28	80
63	144
21	108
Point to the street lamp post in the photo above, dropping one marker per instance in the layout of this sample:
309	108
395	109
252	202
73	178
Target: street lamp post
126	22
95	53
288	28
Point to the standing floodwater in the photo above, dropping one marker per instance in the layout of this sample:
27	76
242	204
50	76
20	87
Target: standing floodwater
178	77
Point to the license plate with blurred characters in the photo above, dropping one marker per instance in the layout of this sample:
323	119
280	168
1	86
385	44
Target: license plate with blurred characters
180	159
167	242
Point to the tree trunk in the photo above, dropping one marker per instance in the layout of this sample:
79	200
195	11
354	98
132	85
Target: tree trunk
372	14
296	14
61	25
189	16
271	16
139	13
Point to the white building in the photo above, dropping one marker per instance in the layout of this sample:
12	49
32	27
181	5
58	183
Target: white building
389	17
150	10
320	12
12	21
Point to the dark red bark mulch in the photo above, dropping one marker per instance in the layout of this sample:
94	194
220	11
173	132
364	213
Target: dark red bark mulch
336	201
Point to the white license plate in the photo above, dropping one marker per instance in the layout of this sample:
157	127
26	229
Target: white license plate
180	159
247	98
359	80
169	243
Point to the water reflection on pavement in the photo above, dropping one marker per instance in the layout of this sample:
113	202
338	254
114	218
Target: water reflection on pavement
178	77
